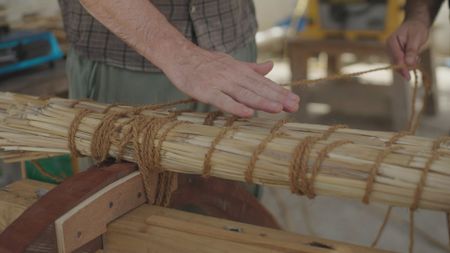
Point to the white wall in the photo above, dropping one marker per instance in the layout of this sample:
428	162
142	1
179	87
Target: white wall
270	12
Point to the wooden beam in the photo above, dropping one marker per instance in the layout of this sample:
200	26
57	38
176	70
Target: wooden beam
157	229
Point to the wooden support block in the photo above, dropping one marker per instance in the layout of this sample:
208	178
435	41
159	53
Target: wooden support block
157	229
88	220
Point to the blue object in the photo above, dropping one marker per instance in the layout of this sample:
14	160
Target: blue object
17	41
287	23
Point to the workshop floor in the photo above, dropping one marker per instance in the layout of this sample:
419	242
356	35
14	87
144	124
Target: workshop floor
354	222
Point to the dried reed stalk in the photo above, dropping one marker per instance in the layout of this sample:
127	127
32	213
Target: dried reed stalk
31	128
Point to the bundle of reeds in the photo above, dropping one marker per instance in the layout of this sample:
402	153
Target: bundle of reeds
391	168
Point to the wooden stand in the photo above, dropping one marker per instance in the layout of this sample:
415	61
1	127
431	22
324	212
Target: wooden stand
156	229
348	95
74	217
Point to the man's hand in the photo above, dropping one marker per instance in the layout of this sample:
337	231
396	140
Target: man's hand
218	79
406	42
231	85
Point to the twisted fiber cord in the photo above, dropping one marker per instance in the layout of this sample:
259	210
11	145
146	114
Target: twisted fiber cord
211	117
126	138
140	109
413	124
230	120
138	125
260	148
342	76
427	85
394	139
413	104
331	130
176	113
374	171
163	138
147	156
294	170
167	183
382	227
435	154
321	156
101	138
109	107
156	128
207	167
73	129
377	163
298	167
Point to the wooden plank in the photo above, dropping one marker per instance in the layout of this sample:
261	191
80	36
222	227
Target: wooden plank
17	197
88	220
154	229
34	230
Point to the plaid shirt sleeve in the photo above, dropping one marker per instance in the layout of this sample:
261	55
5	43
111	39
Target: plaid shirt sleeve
216	25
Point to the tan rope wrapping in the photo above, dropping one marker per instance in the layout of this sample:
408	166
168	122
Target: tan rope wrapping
260	148
207	167
73	129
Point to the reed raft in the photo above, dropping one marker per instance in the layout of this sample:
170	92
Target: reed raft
391	168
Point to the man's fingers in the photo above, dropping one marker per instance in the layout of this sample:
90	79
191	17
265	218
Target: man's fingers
262	68
227	104
398	54
254	100
412	49
270	90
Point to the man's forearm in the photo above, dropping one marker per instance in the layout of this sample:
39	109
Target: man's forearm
140	24
423	10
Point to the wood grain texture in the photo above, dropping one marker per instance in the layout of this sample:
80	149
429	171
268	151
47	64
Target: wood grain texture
35	225
88	220
156	229
17	197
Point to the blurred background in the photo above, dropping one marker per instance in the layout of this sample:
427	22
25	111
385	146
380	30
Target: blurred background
305	39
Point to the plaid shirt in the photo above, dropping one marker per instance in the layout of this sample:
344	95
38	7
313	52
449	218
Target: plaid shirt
216	25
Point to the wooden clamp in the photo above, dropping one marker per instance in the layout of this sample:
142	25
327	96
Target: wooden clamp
76	212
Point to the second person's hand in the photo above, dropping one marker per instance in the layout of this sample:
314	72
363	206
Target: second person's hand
405	44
